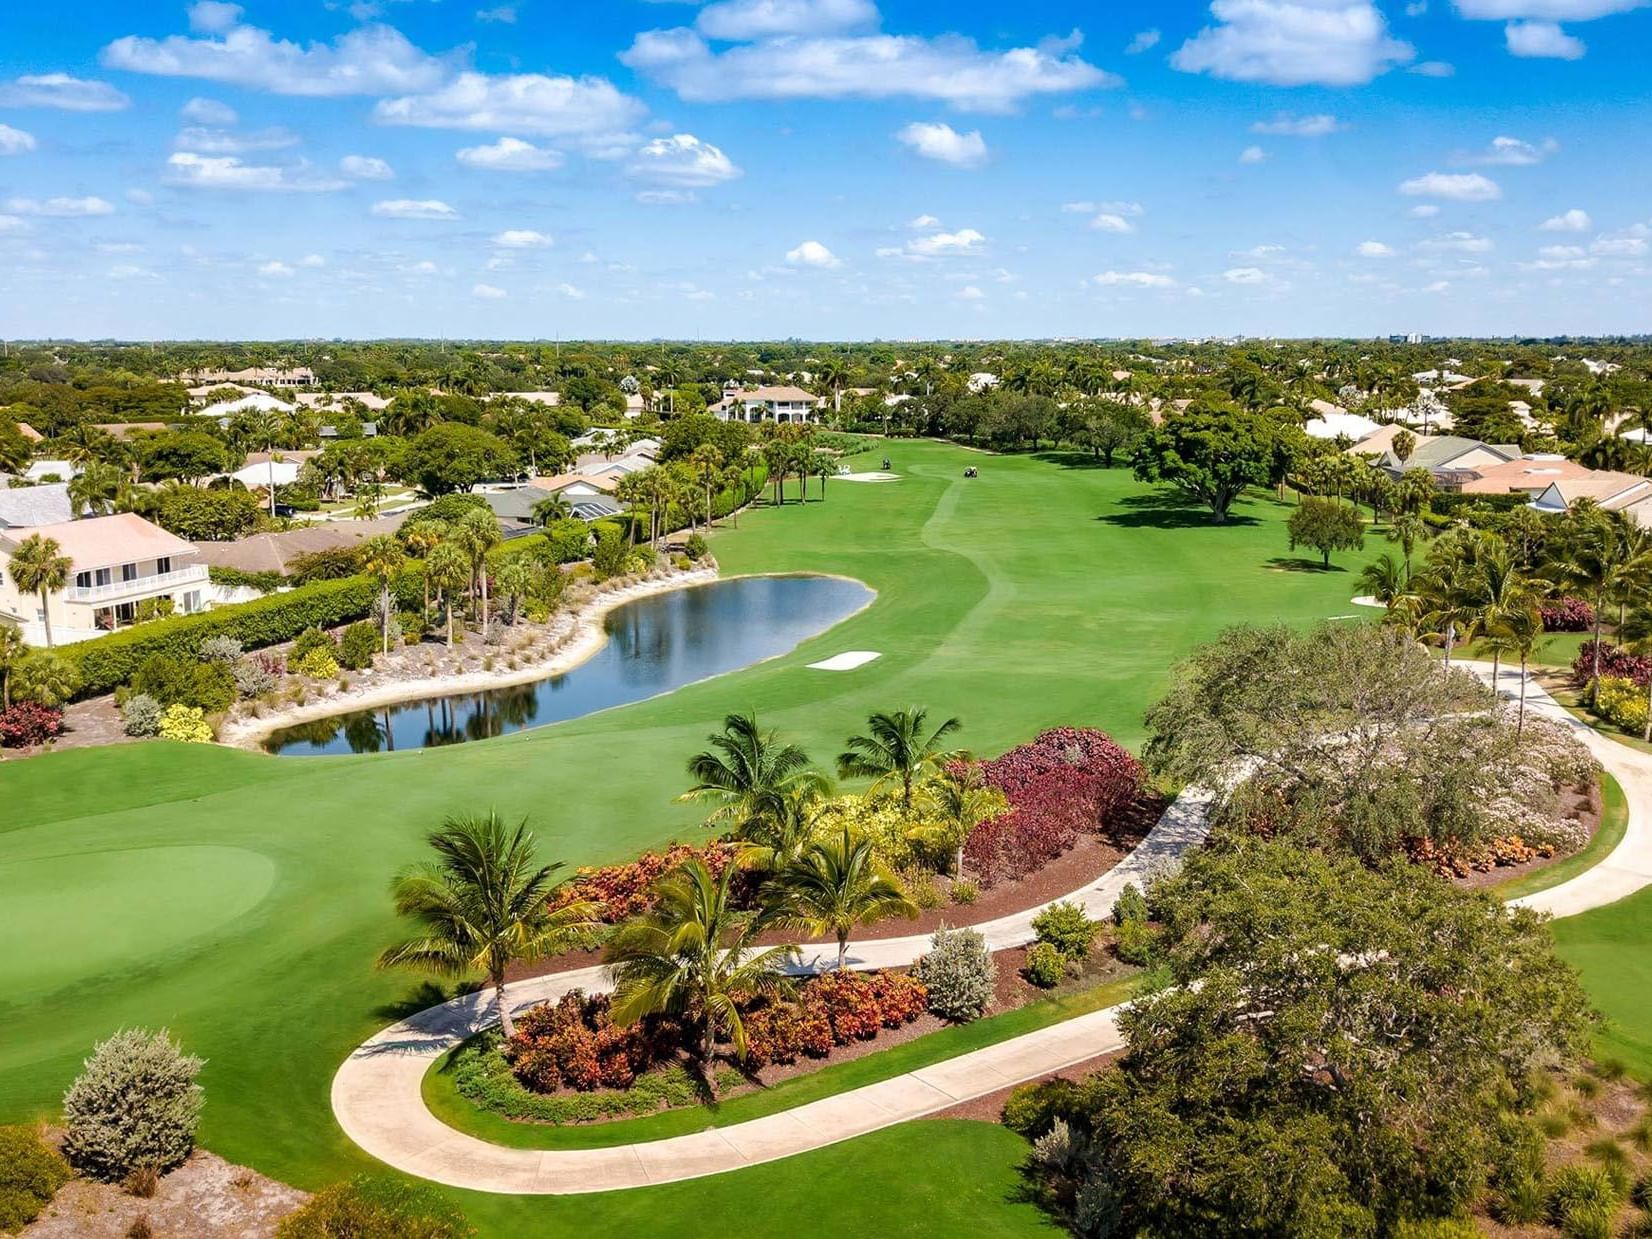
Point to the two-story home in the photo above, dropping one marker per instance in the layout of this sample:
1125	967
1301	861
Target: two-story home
768	404
117	564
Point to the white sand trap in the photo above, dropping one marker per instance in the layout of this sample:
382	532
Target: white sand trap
846	662
867	477
1365	600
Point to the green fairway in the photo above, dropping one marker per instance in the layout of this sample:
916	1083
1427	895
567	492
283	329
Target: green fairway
1609	947
1031	596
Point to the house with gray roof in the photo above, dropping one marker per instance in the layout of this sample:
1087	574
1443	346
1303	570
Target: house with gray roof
35	505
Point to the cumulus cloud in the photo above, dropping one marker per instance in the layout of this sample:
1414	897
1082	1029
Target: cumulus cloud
487	292
969	292
193	170
944	144
366	168
1287	126
208	112
1145	41
1111	221
533	103
1294	43
1455	186
942	244
59	90
812	254
923	221
740	21
683	161
953	69
414	208
1423	210
1574	220
1542	41
505	15
1510	152
60	208
521	239
1630	244
1253	154
1373	249
278	269
207	141
15	141
370	60
1132	279
510	155
1245	275
1459	242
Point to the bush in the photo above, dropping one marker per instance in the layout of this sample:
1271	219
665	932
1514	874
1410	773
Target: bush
621	892
1134	943
965	891
135	1104
31	1171
310	640
609	556
833	1009
1131	905
140	715
1064	926
376	1208
1621	701
207	685
257	675
222	649
46	678
695	547
318	664
358	645
186	724
573	1043
958	974
1519	1194
1032	1109
104	663
1583	1200
1046	965
1566	615
1613	662
236	578
27	724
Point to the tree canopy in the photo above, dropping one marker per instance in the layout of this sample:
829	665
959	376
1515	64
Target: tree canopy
1211	456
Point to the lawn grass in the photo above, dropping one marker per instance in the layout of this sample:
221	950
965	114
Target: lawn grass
456	1111
1609	947
1614	820
1035	595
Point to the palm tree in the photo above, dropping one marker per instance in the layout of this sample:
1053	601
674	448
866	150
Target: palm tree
1383	579
516	580
98	490
483	905
896	749
478	533
772	841
1606	558
694	957
747	773
1635	635
422	537
12	650
447	568
551	508
837	883
382	557
955	802
706	461
1515	635
1497	592
1407	529
38	566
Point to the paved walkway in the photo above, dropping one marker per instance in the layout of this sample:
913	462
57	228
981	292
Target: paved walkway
377	1098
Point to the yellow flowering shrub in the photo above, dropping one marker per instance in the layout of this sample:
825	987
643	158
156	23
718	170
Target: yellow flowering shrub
186	723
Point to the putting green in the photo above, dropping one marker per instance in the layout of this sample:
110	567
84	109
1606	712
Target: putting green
135	907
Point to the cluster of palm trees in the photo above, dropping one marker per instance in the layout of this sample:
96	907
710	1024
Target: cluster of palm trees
455	560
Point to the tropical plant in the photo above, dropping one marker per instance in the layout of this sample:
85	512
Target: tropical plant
382	558
447	568
694	957
897	750
958	972
134	1104
477	532
1603	558
1384	579
482	905
836	883
953	803
550	509
747	774
46	678
12	650
1635	636
38	566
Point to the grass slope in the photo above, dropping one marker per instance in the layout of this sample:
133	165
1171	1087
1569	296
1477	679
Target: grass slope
1033	595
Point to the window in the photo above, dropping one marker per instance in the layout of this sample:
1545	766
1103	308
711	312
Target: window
83	580
104	576
129	572
163	565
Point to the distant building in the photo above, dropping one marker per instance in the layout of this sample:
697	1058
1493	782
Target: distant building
255	376
768	404
35	505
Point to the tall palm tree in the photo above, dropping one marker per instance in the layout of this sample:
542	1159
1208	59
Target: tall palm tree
421	537
1497	591
838	882
706	461
747	773
773	840
694	957
38	566
483	905
1408	530
447	568
955	802
1606	557
98	490
895	748
382	557
1635	635
12	650
1515	636
478	533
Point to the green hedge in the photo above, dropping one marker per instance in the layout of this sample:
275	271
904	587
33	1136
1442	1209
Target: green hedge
106	663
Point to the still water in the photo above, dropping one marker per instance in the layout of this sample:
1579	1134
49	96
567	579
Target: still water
654	645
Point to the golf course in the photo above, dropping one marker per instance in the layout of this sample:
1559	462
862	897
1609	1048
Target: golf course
239	899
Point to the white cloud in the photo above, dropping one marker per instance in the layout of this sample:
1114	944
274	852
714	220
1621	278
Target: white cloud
684	161
812	254
214	16
1561	253
510	155
1253	154
952	70
969	292
924	221
1373	249
130	271
1543	41
369	60
505	15
197	171
59	90
60	208
487	292
312	260
666	197
1145	41
414	208
208	112
278	269
944	144
1622	246
1245	275
533	103
1545	10
1574	220
1423	210
10	223
1433	68
571	292
521	239
1287	126
964	241
1294	43
15	141
1111	221
366	168
1459	242
1455	186
1132	279
740	21
228	142
1438	286
1510	152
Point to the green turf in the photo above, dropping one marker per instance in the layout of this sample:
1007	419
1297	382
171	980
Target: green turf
1614	820
447	1104
1032	596
1609	947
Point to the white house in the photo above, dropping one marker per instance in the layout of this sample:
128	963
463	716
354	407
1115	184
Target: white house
768	404
118	563
258	376
1339	424
259	400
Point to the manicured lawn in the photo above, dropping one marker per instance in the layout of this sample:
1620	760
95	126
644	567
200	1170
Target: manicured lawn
1609	946
1031	596
1614	820
455	1110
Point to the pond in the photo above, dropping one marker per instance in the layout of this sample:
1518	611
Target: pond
654	645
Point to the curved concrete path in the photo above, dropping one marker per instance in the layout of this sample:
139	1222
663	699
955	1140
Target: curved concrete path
377	1099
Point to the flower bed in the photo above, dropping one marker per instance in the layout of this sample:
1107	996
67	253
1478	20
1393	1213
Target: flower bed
1614	662
624	891
1566	615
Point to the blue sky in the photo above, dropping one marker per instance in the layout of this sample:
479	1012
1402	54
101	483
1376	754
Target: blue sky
824	168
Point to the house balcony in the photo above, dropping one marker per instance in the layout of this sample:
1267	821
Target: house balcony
137	587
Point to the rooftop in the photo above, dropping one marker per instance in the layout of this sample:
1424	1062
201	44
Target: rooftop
105	541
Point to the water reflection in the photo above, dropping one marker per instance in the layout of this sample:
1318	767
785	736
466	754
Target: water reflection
654	645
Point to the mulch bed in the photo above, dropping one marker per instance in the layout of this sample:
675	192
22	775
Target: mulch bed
1584	805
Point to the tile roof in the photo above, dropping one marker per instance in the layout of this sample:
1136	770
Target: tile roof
36	505
104	541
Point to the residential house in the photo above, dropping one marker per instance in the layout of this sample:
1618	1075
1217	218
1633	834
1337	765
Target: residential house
577	486
256	376
336	400
1451	459
1614	492
118	563
1336	423
768	404
35	505
278	552
261	401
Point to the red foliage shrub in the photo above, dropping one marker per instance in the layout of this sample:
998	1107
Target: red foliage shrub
1067	782
623	891
1614	662
27	724
832	1009
573	1043
902	998
1566	615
